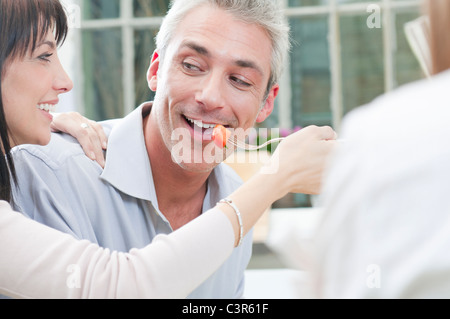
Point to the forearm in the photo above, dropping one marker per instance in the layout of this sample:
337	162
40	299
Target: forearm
296	166
40	262
252	199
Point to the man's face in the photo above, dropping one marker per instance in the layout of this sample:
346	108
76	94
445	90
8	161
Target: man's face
215	71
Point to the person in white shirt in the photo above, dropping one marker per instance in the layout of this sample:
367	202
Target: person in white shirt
40	262
385	232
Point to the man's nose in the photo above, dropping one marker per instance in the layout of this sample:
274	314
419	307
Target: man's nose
211	93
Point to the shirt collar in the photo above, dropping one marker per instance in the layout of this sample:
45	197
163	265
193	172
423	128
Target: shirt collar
127	165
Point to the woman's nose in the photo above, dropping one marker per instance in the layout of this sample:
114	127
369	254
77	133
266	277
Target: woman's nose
62	82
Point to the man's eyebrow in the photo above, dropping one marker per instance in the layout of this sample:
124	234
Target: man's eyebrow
51	44
249	65
197	48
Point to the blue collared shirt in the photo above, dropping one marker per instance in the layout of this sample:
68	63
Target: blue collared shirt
116	207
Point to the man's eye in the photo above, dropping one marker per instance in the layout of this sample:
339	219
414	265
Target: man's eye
190	67
240	82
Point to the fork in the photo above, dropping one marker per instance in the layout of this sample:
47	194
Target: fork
242	145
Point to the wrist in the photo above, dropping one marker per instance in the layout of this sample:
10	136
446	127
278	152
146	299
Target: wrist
240	229
231	215
276	182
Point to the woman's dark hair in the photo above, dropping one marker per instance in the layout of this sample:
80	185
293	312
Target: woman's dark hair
23	24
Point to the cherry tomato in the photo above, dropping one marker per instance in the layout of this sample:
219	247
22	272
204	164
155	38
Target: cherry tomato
220	136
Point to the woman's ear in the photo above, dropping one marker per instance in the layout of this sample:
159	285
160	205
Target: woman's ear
152	74
268	104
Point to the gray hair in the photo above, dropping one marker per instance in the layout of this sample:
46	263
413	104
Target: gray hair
264	13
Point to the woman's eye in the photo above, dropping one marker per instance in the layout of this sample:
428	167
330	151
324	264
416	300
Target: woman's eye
45	57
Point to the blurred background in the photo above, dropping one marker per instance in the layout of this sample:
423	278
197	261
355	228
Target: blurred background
345	54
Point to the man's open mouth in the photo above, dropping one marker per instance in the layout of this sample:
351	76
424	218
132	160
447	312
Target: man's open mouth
203	125
199	124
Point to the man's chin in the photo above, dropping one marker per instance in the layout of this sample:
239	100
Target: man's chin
199	168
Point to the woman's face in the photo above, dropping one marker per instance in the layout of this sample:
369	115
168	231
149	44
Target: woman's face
30	89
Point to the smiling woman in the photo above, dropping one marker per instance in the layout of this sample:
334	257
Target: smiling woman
29	60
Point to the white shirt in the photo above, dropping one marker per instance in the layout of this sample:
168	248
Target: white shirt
385	232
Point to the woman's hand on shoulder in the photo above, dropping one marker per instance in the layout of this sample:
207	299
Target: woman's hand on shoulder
89	134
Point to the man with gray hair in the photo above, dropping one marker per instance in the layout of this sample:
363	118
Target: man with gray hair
217	62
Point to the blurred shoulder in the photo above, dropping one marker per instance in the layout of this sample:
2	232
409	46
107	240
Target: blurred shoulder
411	110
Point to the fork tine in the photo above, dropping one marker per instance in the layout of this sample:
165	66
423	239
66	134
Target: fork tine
243	145
240	144
234	141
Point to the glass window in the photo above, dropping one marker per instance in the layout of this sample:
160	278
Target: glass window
362	61
103	90
310	72
150	8
101	9
105	87
144	47
304	3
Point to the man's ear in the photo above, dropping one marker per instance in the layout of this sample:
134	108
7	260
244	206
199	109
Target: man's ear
269	104
152	74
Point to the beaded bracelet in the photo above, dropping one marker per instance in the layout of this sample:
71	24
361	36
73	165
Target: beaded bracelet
238	214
